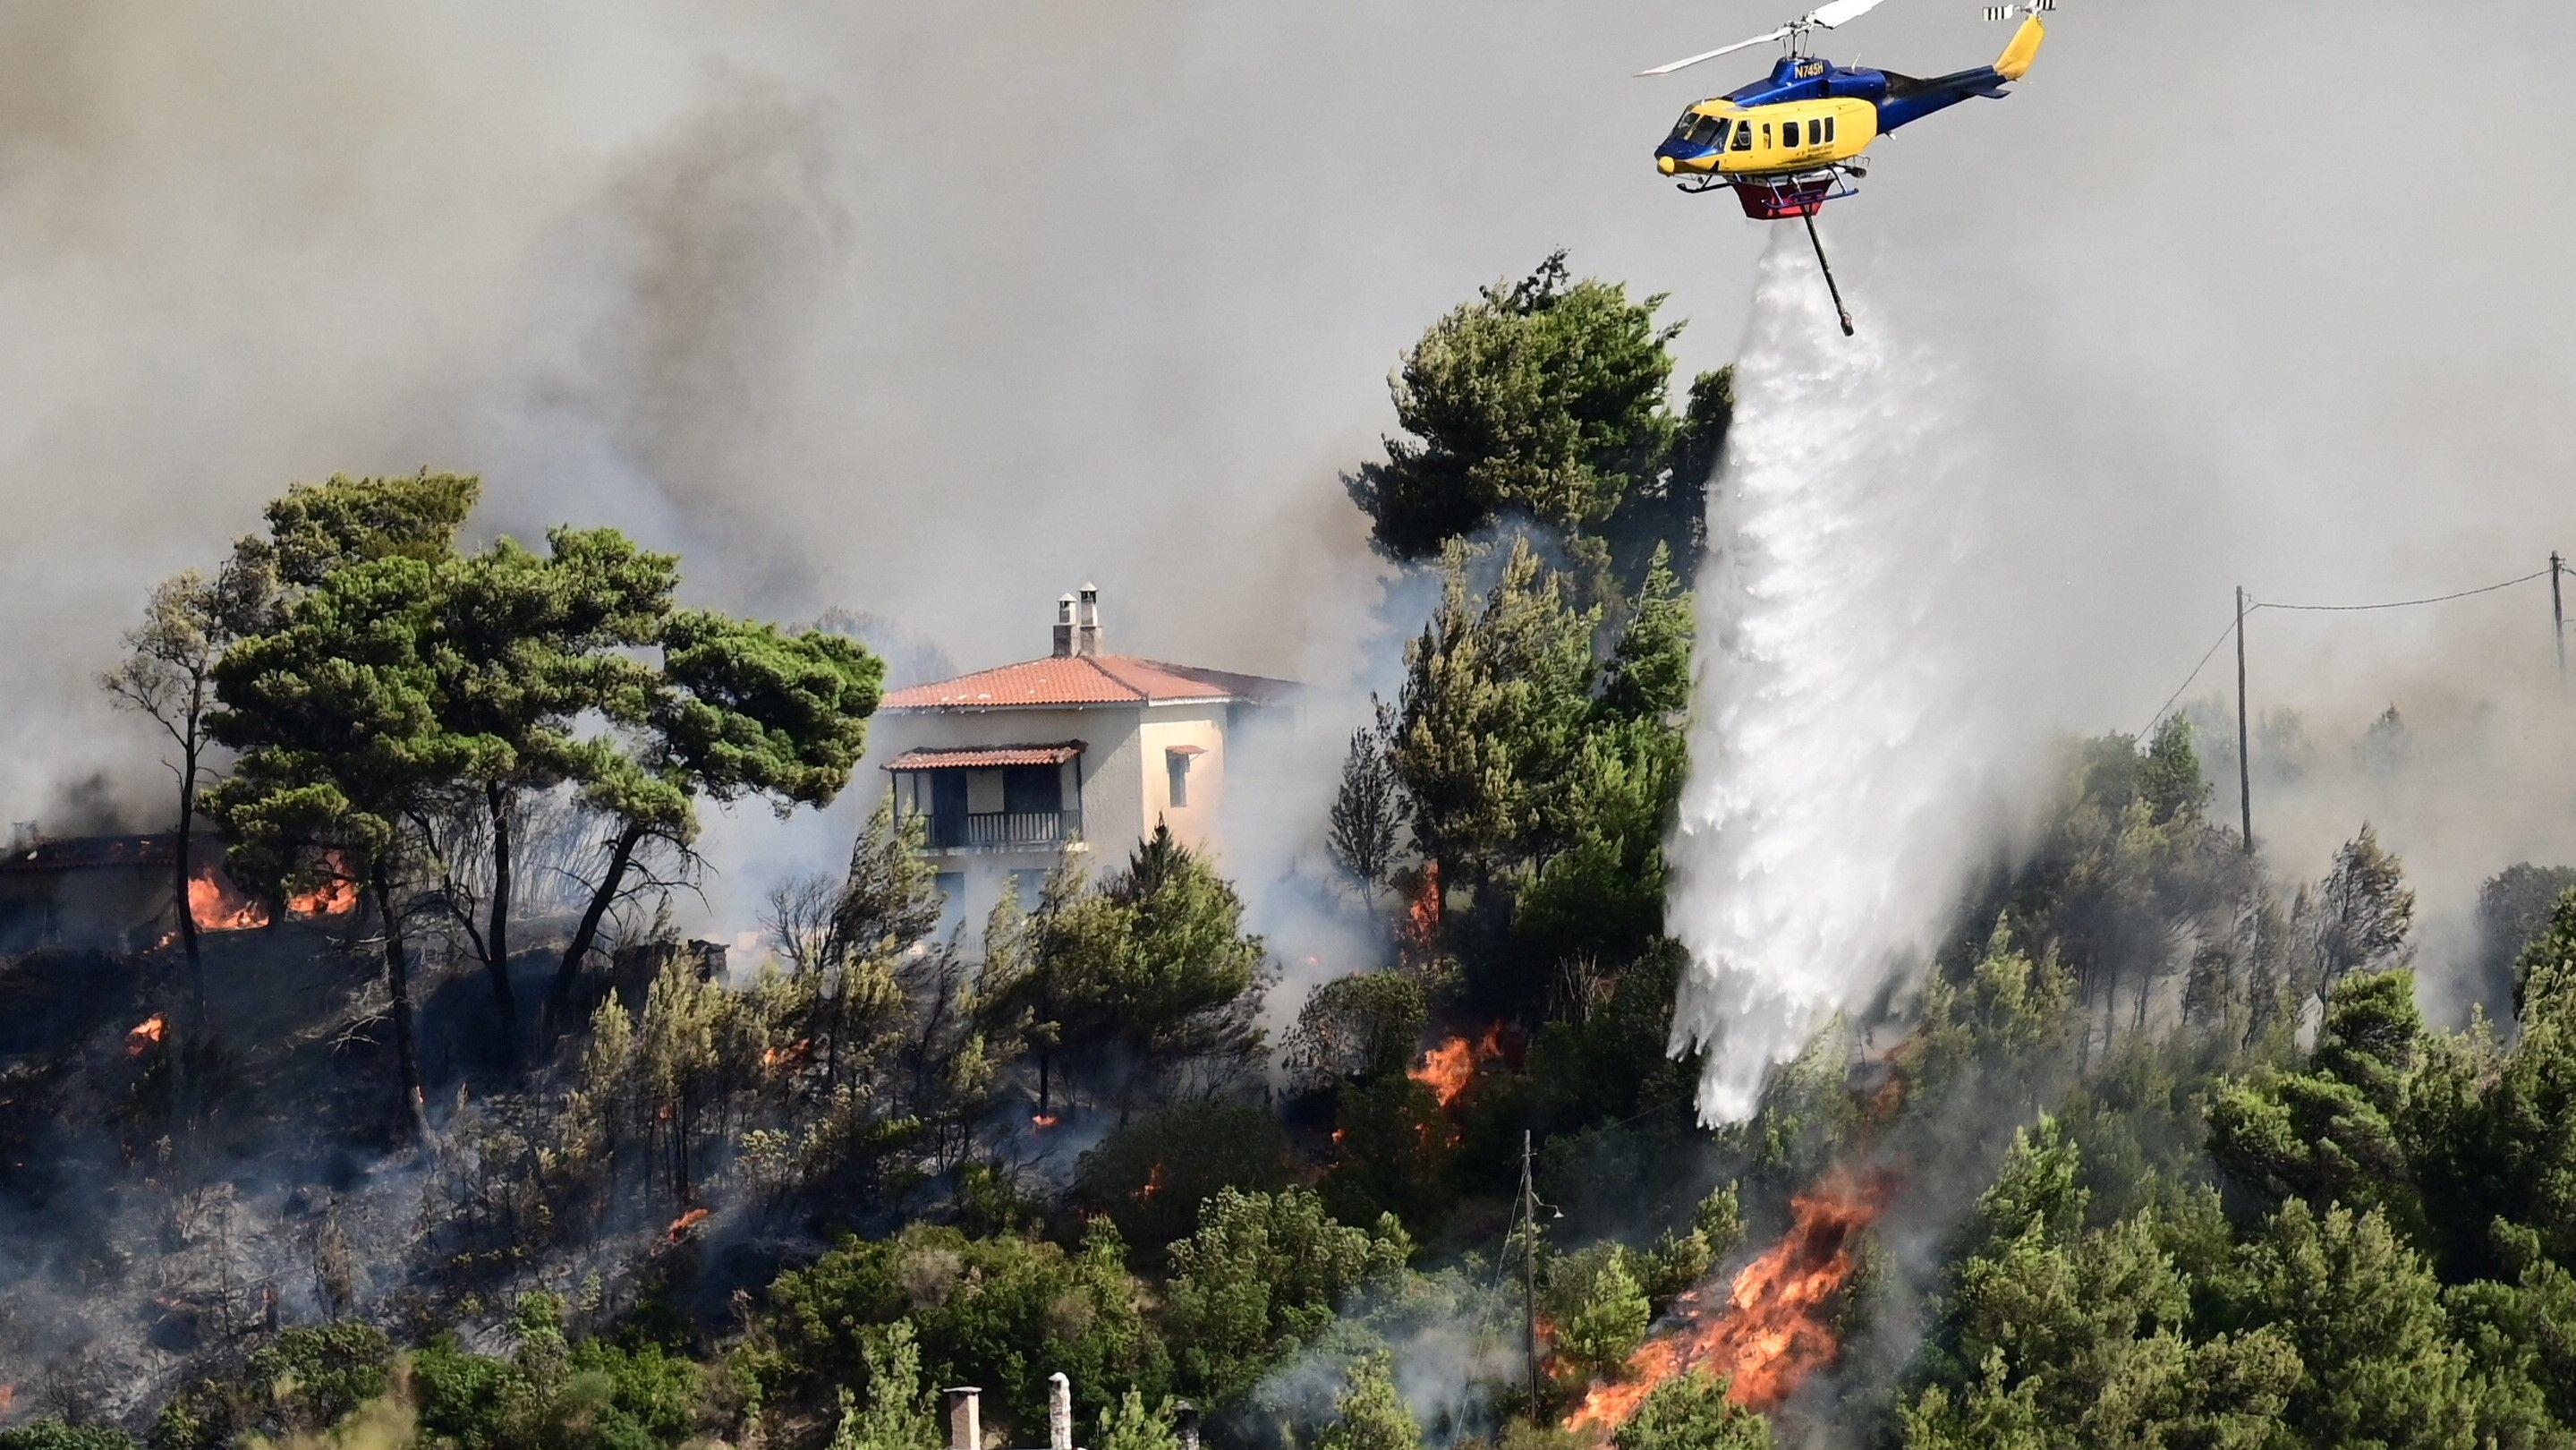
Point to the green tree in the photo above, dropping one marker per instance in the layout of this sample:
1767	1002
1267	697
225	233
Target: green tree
1151	1176
531	647
2335	1132
2544	974
1648	674
1599	1310
168	677
1129	1425
1496	694
335	715
2513	907
737	709
1369	808
897	1415
1691	1412
1368	1414
2360	915
1543	398
2365	1314
1364	1025
1156	967
1003	1312
55	1435
1262	1274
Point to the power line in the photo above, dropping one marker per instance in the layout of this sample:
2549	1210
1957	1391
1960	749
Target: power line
2255	606
2411	603
2205	657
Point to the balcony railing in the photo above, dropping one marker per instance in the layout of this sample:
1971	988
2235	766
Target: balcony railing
1000	830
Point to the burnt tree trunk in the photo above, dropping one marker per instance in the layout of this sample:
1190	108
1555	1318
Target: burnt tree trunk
411	1118
179	877
497	940
621	855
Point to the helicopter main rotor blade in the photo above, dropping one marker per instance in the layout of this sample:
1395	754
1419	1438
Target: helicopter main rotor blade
1838	12
1665	70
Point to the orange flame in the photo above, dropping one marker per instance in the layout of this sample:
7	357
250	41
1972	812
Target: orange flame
217	906
1448	1068
1153	1184
791	1055
1418	934
146	1035
8	1397
1773	1328
1040	1122
337	896
680	1226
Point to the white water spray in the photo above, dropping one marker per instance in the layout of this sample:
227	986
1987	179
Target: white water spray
1834	805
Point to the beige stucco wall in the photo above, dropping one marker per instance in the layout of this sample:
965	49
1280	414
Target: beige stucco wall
1124	784
1103	778
1161	729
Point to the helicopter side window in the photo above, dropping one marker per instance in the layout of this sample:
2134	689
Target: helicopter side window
1815	133
1744	135
1829	130
1716	137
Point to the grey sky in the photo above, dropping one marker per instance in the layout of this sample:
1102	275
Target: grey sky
935	310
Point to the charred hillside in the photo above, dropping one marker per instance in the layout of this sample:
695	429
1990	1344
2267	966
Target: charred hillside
1540	1091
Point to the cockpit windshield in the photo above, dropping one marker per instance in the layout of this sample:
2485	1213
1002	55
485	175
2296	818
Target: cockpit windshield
1695	129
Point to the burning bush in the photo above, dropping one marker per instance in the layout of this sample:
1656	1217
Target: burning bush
1449	1067
1772	1328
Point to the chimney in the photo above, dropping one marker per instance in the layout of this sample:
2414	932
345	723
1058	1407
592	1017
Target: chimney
22	835
1185	1424
1064	628
1087	633
965	1418
1060	1389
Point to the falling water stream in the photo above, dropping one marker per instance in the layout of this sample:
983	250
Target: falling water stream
1830	815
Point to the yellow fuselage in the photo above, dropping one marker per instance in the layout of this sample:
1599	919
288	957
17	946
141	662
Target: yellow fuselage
1785	136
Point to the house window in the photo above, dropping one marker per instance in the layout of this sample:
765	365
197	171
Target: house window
1031	888
1176	768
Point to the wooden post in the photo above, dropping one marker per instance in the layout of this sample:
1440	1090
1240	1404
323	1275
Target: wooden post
2244	748
2557	617
1529	1269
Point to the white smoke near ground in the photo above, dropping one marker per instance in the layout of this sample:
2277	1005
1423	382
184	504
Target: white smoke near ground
1840	772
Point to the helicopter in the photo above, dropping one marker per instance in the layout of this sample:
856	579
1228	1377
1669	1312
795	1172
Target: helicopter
1794	140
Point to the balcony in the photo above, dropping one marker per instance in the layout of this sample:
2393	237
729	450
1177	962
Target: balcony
1000	830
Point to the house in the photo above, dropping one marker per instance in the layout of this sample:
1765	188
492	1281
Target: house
1082	750
106	892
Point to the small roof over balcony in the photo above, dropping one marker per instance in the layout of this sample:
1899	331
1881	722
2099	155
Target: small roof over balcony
985	757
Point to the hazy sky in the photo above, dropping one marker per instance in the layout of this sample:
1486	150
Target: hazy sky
936	310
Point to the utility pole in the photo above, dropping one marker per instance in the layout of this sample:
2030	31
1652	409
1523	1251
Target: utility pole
2244	755
2558	616
1529	1269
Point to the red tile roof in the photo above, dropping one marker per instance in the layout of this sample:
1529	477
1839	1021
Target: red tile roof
985	757
1094	680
